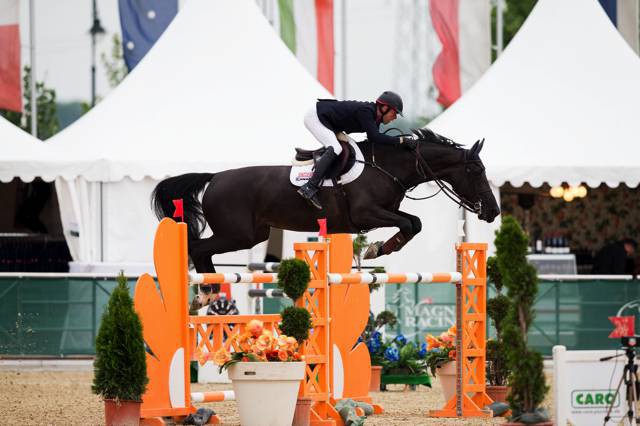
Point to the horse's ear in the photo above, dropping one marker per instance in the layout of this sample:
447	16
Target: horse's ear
418	132
481	145
475	149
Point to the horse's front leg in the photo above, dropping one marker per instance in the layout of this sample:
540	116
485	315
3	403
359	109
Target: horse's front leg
408	225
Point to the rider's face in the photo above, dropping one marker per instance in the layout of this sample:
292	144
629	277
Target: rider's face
389	116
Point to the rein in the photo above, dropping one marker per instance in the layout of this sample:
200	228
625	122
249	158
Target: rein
421	165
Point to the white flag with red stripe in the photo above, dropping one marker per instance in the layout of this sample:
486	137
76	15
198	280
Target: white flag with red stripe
464	29
306	27
10	87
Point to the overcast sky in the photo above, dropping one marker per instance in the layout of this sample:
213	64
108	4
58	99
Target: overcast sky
63	46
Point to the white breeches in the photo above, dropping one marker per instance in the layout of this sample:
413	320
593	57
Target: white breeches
325	136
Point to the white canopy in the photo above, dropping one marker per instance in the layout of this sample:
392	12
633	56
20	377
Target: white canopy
561	103
27	157
218	90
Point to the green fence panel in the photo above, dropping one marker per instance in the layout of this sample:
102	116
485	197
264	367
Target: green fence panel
60	317
52	316
573	313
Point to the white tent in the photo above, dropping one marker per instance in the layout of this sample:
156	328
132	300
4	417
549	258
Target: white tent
218	90
561	103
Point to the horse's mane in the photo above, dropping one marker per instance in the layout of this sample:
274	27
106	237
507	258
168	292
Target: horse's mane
427	135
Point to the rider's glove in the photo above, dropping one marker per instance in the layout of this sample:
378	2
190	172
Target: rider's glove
409	142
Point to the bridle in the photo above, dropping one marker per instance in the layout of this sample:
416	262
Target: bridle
423	169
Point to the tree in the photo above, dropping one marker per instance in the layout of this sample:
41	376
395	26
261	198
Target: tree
48	124
115	65
527	380
515	13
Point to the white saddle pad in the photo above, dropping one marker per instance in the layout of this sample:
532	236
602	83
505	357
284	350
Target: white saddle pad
302	171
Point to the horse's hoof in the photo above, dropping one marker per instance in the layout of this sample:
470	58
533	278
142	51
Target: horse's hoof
373	250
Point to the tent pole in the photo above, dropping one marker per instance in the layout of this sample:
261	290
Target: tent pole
32	83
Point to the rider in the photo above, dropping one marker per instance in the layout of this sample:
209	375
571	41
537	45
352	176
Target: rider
329	117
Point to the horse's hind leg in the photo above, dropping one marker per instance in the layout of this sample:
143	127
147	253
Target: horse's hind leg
203	249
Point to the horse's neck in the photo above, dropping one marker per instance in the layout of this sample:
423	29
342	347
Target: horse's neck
402	163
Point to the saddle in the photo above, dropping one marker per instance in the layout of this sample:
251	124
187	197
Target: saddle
340	166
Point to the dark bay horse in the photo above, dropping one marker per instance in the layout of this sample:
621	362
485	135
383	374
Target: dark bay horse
241	205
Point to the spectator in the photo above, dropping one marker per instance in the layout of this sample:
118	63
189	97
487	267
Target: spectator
616	258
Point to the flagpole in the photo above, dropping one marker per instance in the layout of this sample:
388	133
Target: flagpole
32	83
499	27
344	47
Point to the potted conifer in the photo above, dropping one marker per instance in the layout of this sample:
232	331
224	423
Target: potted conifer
527	381
497	308
120	368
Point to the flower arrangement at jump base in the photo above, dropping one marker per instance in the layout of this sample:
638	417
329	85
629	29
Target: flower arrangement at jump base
441	349
402	361
441	356
257	344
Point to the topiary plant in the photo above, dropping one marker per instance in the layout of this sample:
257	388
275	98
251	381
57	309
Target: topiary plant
527	381
497	308
296	322
120	368
293	277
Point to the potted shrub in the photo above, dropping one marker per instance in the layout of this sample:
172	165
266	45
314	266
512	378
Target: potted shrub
441	357
404	363
268	368
372	337
497	308
120	368
527	381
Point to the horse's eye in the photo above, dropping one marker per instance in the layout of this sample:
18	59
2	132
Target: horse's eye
468	170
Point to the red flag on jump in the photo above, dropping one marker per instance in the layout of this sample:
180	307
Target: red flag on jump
179	209
625	326
323	227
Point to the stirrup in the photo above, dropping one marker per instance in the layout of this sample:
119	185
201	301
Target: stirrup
310	194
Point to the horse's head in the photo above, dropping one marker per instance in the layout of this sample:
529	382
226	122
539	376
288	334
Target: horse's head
471	183
467	177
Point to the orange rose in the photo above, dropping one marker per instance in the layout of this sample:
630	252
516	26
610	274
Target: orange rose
264	342
255	327
432	342
453	330
292	342
221	356
283	355
452	354
282	342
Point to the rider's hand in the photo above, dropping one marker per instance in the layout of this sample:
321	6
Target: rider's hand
409	142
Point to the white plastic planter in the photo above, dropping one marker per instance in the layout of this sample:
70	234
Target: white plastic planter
447	376
266	392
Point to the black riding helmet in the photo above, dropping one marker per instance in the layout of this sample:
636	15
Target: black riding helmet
391	99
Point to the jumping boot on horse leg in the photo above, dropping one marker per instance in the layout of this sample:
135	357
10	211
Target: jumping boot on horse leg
379	248
310	189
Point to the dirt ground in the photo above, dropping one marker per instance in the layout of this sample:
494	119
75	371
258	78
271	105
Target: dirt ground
65	398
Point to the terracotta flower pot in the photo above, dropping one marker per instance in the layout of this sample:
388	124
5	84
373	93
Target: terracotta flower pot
376	372
498	393
447	375
302	415
121	413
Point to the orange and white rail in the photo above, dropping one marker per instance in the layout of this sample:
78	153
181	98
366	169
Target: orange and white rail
403	278
218	396
218	278
354	278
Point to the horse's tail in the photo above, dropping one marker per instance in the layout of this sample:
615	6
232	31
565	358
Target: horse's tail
186	187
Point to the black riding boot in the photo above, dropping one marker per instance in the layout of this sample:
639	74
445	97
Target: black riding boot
310	189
